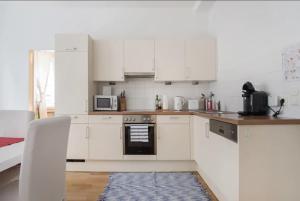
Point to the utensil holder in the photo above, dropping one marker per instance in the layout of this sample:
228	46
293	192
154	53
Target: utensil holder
123	104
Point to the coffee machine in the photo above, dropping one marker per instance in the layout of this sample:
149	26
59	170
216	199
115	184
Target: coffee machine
254	102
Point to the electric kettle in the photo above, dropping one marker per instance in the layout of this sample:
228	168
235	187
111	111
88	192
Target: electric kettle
178	103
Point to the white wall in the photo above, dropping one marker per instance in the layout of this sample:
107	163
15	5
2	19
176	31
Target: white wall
251	37
141	92
32	25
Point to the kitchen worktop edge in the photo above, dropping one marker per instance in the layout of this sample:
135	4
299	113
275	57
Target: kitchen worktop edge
228	117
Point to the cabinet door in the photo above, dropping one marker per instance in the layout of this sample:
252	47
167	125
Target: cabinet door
105	141
217	160
108	60
200	59
78	142
201	140
71	82
173	141
198	128
139	56
71	42
169	60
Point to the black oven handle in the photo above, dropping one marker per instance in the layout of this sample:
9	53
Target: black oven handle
150	125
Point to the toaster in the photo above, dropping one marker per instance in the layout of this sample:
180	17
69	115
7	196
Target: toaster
193	104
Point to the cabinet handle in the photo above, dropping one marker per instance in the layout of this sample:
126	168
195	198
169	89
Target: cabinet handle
106	118
71	49
121	133
174	118
206	130
87	133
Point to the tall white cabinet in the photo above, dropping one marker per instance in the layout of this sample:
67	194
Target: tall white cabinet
73	87
71	82
72	72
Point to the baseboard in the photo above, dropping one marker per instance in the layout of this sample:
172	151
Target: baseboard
132	166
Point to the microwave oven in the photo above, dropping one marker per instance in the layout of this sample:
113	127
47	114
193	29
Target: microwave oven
105	103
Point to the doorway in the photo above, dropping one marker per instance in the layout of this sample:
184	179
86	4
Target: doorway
42	82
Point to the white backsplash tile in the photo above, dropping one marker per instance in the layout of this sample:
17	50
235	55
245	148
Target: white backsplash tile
141	92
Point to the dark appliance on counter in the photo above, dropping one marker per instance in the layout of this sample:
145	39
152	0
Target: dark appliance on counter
254	102
140	131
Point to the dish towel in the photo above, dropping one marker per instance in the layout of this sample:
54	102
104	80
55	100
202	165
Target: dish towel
139	133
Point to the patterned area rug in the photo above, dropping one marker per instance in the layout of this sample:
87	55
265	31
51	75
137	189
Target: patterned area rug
153	187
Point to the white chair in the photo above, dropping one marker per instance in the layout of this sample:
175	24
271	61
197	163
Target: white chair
14	123
42	175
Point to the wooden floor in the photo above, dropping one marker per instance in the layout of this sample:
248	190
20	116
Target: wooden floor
87	186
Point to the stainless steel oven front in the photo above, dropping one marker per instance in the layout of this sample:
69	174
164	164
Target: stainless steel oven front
139	134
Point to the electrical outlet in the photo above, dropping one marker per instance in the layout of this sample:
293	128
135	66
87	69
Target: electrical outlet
273	101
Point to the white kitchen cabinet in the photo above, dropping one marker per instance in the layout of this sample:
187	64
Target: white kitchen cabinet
71	42
71	82
173	137
199	140
78	142
222	167
108	60
139	57
105	138
217	160
169	60
200	59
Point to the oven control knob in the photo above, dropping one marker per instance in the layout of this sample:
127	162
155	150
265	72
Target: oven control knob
126	119
133	119
144	119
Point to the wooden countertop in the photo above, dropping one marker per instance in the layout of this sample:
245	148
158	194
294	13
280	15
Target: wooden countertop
228	117
145	112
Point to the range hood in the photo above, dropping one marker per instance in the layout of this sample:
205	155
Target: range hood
140	75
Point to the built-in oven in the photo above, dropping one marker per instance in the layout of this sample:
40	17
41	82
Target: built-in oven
139	134
105	103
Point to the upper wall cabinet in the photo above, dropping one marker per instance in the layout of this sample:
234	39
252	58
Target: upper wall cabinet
109	60
200	59
139	57
169	60
71	42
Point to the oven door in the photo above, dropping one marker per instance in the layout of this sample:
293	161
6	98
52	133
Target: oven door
103	103
139	139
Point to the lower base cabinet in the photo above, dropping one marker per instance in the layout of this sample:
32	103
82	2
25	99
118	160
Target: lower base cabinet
105	137
78	142
173	137
217	160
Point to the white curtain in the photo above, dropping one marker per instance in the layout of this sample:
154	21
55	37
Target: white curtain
43	61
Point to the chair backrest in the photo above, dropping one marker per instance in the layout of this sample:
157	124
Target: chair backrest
14	123
42	176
